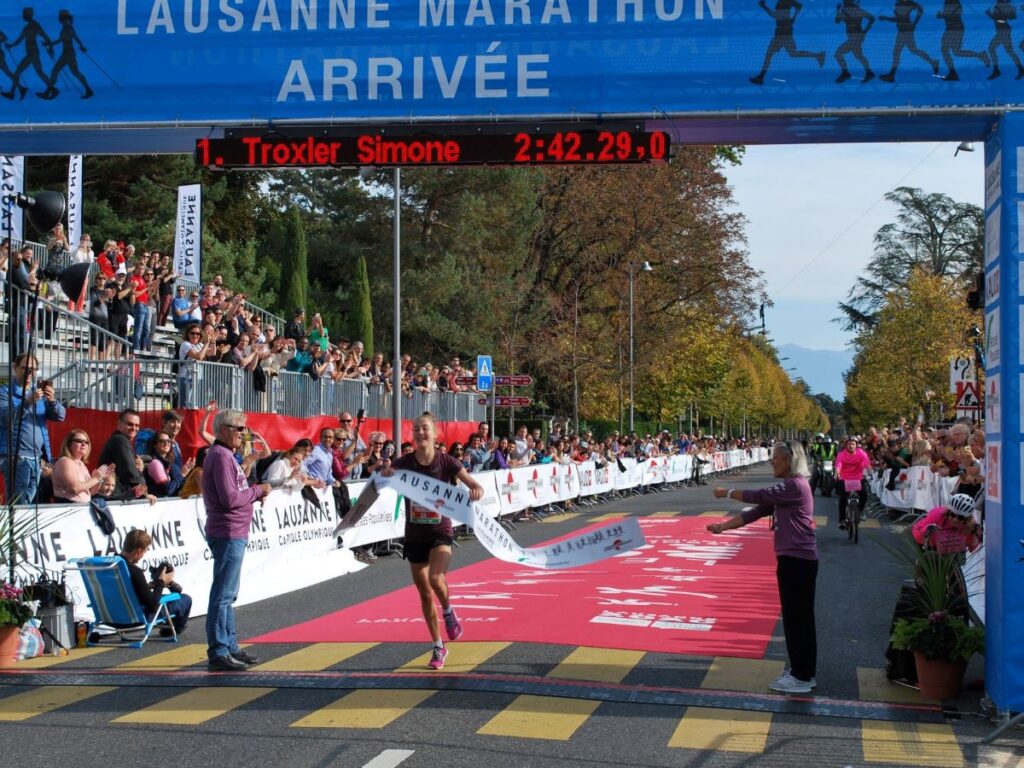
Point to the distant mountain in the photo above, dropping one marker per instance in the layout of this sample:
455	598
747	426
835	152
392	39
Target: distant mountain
822	369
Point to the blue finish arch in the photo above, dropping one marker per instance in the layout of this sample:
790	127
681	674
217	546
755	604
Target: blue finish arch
137	76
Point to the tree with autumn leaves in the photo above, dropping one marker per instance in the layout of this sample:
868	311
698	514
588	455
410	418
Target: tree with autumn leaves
902	364
909	310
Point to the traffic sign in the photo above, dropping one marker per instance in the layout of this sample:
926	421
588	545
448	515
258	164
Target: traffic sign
503	401
967	396
513	381
465	381
961	369
484	373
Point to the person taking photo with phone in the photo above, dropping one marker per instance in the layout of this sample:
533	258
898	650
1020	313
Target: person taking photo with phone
30	406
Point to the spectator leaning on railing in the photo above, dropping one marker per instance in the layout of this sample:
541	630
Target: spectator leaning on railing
119	450
163	478
72	481
191	350
302	359
477	457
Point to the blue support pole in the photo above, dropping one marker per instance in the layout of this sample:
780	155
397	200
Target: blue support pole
1004	515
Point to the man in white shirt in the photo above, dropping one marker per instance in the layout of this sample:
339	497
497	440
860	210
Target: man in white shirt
520	454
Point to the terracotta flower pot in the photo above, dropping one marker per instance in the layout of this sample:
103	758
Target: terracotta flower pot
938	679
8	645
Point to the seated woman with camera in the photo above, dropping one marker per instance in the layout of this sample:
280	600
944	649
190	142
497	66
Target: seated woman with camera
136	543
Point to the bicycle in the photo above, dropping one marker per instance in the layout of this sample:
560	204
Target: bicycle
853	510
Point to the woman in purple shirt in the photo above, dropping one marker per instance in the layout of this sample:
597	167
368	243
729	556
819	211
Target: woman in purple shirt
792	503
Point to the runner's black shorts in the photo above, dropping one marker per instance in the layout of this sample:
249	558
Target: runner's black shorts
419	551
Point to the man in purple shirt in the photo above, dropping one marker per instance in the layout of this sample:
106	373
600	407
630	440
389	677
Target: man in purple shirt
228	498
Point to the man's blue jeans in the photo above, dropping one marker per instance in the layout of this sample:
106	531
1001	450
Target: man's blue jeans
140	336
221	638
26	479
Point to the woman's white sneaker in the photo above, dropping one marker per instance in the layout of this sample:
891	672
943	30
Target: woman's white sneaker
814	680
789	684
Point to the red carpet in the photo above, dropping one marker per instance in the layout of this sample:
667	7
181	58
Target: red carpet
686	591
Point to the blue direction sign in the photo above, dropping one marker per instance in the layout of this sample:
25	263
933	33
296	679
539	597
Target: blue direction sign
484	373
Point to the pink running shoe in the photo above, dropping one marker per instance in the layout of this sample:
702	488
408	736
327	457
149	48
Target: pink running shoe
453	626
437	658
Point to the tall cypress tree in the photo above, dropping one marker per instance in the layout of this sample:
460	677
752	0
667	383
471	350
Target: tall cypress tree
294	276
362	310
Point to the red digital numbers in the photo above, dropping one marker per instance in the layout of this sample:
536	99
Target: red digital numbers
387	149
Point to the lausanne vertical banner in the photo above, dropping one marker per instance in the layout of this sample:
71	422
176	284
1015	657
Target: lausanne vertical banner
12	183
74	201
189	232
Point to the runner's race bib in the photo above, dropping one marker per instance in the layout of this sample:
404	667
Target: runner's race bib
418	514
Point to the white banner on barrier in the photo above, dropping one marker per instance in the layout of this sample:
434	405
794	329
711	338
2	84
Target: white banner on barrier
489	505
376	515
453	501
291	545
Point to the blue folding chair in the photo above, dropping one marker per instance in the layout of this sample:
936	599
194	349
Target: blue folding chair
115	604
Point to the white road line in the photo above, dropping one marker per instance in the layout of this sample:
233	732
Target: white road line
390	758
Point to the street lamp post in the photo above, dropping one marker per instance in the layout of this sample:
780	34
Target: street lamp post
645	268
396	374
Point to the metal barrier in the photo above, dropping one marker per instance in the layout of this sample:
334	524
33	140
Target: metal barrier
59	339
297	394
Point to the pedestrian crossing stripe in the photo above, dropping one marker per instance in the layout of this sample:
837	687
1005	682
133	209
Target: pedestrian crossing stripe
924	744
552	718
176	658
194	707
39	701
43	662
560	518
609	516
314	658
379	708
729	730
722	730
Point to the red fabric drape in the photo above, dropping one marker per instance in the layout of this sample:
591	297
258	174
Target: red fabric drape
280	432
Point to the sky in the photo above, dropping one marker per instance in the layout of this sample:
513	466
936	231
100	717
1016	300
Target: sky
812	212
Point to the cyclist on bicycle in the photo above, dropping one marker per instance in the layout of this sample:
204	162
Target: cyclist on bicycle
851	464
951	528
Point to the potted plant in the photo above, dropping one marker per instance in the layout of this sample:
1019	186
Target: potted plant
13	615
15	525
942	644
940	637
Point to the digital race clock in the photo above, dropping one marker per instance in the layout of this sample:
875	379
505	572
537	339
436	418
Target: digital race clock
324	150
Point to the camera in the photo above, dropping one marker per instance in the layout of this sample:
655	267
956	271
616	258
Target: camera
156	571
361	414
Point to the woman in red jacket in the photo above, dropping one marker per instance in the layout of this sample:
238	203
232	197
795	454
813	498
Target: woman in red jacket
851	464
